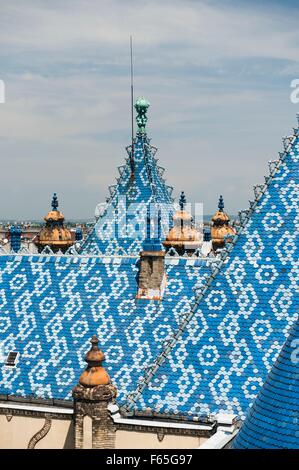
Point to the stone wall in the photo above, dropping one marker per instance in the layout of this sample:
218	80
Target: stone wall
22	432
19	431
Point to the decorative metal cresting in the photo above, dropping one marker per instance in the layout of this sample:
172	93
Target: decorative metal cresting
200	293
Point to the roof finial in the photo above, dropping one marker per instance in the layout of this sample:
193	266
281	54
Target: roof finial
94	374
94	354
221	231
141	107
221	204
183	238
94	383
55	202
182	200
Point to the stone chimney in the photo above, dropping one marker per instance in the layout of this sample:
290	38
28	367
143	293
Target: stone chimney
152	277
92	396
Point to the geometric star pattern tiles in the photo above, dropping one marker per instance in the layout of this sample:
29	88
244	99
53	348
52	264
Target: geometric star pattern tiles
272	421
121	228
50	306
220	358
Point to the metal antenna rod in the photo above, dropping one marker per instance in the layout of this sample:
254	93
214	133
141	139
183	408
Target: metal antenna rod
132	106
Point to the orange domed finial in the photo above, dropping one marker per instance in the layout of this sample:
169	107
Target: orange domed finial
54	234
221	231
183	236
94	374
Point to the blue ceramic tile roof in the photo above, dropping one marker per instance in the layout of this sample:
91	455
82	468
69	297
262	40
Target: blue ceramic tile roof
50	306
128	204
220	357
273	420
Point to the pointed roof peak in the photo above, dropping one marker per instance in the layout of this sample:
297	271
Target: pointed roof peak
140	182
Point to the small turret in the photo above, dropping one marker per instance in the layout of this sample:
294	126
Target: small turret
54	234
221	230
183	236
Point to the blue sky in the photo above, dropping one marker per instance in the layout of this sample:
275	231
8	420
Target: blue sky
217	75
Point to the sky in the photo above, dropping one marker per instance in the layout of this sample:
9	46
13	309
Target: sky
217	75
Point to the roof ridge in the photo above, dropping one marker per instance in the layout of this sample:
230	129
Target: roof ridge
150	371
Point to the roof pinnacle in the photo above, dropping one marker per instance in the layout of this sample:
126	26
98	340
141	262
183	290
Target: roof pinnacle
221	204
94	382
94	374
182	200
54	202
141	107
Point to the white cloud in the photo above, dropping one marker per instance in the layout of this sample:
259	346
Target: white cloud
217	76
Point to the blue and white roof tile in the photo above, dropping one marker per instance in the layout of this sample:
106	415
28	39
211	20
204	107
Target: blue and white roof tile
121	228
272	421
51	305
219	360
